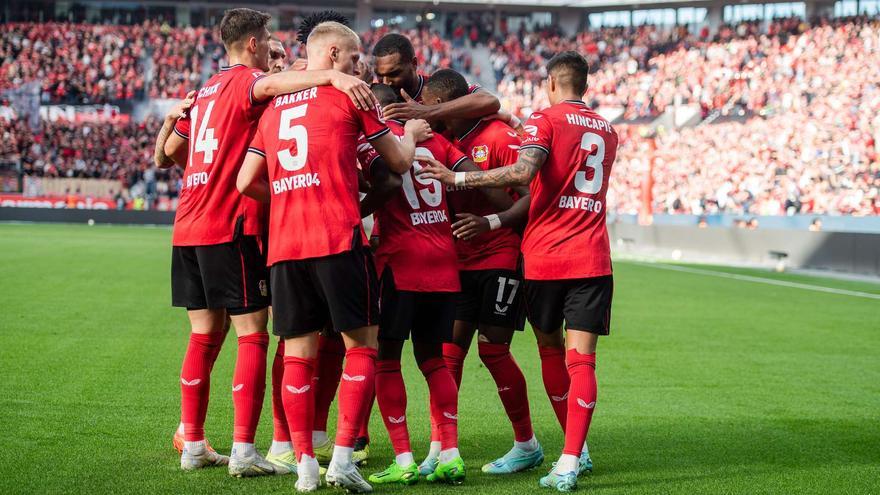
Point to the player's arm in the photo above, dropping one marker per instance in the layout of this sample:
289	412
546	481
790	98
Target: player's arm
179	111
471	106
509	119
291	81
383	184
252	180
399	153
469	225
520	173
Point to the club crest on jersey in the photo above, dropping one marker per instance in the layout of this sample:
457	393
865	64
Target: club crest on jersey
480	153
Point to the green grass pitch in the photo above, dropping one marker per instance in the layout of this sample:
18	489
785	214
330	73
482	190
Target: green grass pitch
706	385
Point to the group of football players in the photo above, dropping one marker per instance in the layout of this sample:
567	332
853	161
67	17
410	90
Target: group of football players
479	222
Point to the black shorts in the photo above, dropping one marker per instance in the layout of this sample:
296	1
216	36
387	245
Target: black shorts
338	291
583	303
231	276
491	297
428	316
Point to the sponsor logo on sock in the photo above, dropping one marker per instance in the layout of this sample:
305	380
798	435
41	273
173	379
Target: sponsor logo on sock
301	390
450	416
503	389
355	378
191	383
583	403
238	387
556	398
397	421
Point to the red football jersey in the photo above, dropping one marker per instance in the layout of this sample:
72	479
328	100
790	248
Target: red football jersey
416	239
309	139
566	236
224	118
490	144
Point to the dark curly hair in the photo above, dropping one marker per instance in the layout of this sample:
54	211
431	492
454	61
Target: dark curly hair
309	23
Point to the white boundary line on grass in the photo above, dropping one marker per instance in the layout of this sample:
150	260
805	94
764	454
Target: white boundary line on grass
760	280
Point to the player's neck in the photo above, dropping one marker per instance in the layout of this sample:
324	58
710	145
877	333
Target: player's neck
319	64
460	127
245	59
563	97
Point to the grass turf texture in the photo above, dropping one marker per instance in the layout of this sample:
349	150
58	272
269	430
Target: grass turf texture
707	385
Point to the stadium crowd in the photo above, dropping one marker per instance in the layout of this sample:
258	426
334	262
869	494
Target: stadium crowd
777	76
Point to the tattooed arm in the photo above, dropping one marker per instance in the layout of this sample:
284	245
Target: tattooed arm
518	174
160	158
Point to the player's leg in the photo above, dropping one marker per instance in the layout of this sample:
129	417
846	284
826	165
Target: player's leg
587	309
392	400
395	321
281	450
178	438
349	284
432	327
501	315
545	301
188	289
328	371
195	378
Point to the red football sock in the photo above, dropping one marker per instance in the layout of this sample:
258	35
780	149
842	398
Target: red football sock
279	419
358	382
444	400
511	387
364	432
195	382
299	403
249	385
556	380
391	395
581	400
454	356
331	352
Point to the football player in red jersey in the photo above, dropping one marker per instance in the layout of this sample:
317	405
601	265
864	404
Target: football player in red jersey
566	158
488	249
415	233
322	274
277	56
218	265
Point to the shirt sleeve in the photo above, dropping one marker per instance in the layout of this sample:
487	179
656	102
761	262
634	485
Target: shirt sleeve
371	122
251	79
506	149
366	153
539	133
473	88
257	145
181	127
454	157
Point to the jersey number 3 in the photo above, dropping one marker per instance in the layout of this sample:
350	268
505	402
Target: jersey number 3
594	161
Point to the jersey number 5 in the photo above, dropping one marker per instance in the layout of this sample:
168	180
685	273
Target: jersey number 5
594	161
298	133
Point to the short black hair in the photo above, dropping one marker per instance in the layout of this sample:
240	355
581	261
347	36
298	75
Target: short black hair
393	43
570	70
448	84
240	24
385	94
310	21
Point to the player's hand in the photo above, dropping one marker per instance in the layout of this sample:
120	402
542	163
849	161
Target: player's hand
409	109
469	226
419	130
432	169
357	90
180	110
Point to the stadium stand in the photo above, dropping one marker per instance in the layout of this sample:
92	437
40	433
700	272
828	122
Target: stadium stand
787	79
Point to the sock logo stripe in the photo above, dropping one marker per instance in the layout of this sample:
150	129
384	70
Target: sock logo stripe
301	390
585	405
191	383
238	387
397	421
556	398
450	415
355	378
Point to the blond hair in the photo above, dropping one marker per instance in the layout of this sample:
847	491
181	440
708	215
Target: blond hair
332	30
